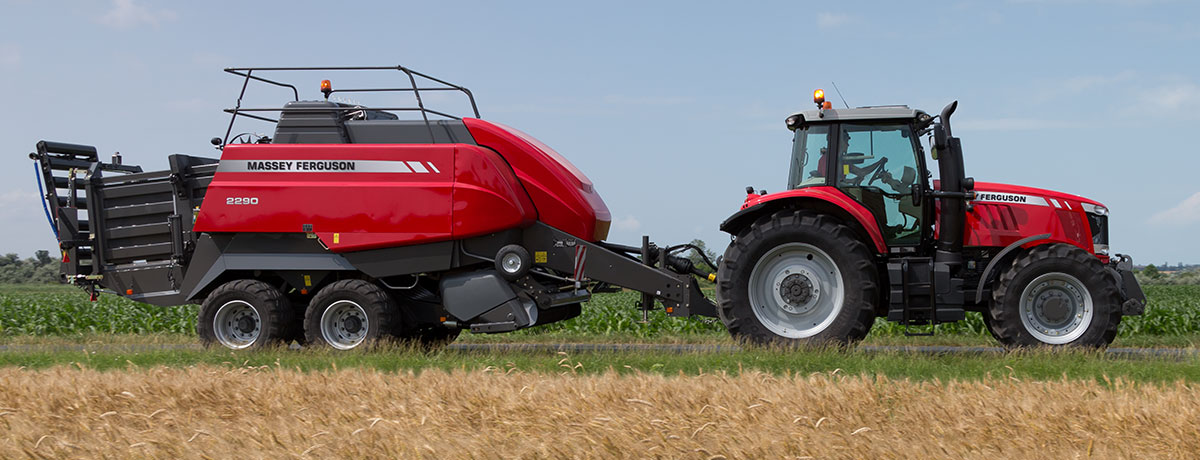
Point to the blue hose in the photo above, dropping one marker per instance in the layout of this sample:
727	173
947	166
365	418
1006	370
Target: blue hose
37	171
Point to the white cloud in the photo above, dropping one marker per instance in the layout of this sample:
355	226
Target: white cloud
127	14
10	55
1174	96
627	223
1186	212
831	20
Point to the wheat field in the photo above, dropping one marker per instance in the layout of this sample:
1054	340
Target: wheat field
231	412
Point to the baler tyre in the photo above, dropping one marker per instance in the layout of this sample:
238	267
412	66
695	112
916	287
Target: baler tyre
1055	295
244	314
513	262
349	314
797	278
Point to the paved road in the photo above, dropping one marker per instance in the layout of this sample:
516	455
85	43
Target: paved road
1136	353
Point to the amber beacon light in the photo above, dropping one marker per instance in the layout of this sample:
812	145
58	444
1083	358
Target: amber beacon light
326	87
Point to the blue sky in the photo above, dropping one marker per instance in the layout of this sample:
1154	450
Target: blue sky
671	108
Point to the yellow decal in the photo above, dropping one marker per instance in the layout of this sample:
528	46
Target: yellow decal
845	170
307	281
336	238
539	257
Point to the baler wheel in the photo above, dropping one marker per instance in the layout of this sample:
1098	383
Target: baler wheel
797	278
244	314
1055	295
349	314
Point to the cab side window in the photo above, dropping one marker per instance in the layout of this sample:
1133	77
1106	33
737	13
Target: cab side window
810	156
877	165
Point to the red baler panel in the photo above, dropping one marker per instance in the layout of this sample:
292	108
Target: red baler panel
564	197
487	196
355	196
1001	214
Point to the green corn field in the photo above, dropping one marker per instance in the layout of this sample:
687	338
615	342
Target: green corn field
63	310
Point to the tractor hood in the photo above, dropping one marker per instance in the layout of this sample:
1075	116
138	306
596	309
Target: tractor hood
992	192
1002	214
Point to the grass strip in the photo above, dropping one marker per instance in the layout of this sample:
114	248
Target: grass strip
896	364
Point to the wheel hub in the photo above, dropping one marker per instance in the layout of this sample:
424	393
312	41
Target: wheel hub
512	263
344	324
1056	308
796	289
237	325
245	324
352	324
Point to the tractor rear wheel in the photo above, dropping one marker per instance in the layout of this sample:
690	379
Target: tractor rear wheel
349	314
244	314
1056	295
797	278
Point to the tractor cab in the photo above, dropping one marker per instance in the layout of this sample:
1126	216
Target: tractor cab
873	155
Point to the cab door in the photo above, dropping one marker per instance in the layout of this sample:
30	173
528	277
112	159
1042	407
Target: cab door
878	164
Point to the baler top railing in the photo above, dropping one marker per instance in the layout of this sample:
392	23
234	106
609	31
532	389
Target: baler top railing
248	74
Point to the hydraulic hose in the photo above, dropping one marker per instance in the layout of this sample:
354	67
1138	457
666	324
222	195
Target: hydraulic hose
682	265
37	172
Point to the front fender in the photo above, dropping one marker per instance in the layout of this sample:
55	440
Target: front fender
821	199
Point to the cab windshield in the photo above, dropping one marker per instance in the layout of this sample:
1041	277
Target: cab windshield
810	148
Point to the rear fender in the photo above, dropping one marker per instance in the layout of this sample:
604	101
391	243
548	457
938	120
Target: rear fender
827	200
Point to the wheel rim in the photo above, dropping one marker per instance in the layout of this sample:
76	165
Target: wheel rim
344	324
796	290
1056	308
511	263
237	324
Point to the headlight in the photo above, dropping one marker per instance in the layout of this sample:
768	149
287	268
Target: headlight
1095	209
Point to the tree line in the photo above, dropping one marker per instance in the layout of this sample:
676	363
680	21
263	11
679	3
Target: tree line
39	269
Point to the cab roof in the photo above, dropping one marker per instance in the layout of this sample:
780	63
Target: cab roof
883	112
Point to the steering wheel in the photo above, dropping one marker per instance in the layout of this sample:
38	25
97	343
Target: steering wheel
879	170
861	173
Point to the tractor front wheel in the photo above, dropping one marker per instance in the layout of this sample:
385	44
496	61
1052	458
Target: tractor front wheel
797	278
1056	295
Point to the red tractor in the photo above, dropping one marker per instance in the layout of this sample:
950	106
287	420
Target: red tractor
862	232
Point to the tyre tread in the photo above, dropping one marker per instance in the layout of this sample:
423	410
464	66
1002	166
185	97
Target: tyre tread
739	319
1005	323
